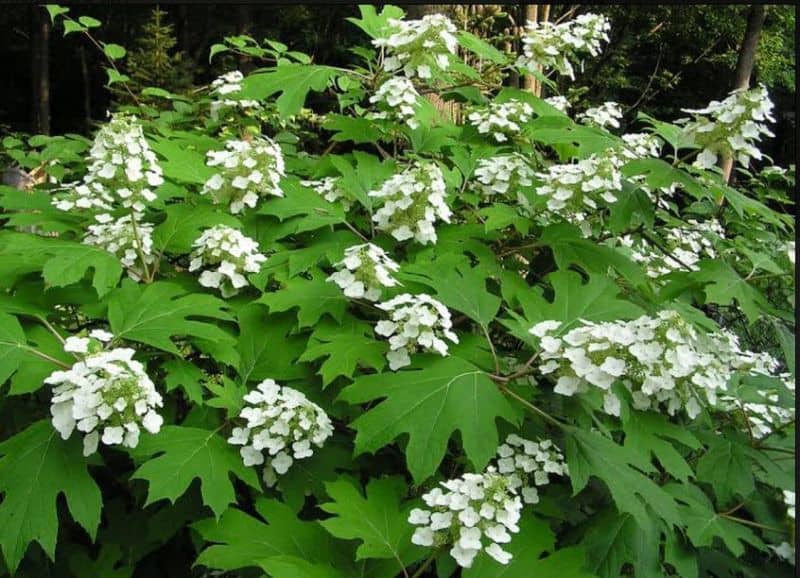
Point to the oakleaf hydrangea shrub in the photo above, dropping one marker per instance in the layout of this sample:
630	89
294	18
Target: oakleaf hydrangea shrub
402	319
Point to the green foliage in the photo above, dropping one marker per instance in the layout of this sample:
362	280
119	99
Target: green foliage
153	61
36	467
185	454
657	492
430	404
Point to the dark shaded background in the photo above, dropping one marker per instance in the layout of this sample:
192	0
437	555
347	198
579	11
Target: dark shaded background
682	55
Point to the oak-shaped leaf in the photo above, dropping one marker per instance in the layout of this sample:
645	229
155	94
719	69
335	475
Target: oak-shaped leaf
187	453
35	468
162	310
378	519
429	404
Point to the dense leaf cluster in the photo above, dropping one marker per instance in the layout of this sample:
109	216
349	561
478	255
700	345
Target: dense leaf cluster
645	492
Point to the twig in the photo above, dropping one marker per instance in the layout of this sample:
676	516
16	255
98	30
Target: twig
50	328
751	523
139	250
491	346
356	231
528	405
424	565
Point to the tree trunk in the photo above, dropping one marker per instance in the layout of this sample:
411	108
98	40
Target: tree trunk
40	71
744	65
243	27
86	83
531	15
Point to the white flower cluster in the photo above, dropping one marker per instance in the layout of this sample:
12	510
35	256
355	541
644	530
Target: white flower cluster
282	426
413	200
640	145
364	271
502	120
418	323
784	551
790	251
660	360
328	188
686	245
126	238
605	115
765	416
730	127
122	169
474	508
556	46
397	99
572	190
418	46
229	83
107	392
528	465
558	102
789	500
503	174
226	255
251	169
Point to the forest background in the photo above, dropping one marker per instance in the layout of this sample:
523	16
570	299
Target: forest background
659	58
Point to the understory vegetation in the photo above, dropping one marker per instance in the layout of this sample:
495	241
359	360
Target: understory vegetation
435	326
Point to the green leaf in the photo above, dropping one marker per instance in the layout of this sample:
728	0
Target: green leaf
186	454
114	76
724	285
55	10
313	298
308	477
647	433
33	368
303	202
727	467
377	520
36	467
293	81
613	540
481	47
443	395
227	395
89	22
182	162
62	263
184	224
569	247
347	128
591	454
71	26
161	310
346	346
580	141
216	49
534	555
499	216
242	540
457	285
703	524
373	23
114	51
595	300
187	376
13	346
267	347
293	566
